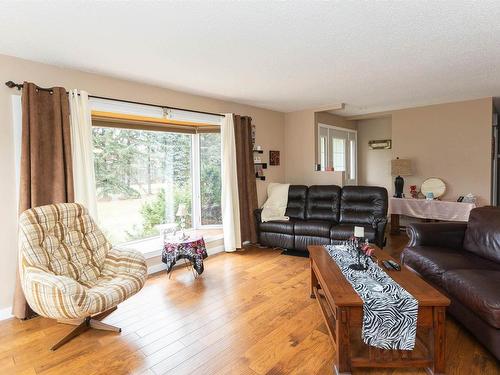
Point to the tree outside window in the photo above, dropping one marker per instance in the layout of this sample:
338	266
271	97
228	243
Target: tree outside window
143	176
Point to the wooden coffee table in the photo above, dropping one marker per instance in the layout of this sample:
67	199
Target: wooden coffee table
342	309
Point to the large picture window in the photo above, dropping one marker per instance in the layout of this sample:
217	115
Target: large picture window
142	176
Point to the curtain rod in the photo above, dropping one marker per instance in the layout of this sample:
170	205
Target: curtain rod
19	86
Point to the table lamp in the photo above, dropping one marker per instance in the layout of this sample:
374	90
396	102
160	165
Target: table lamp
400	167
182	213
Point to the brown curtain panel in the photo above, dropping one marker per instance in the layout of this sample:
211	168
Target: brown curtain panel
247	186
46	175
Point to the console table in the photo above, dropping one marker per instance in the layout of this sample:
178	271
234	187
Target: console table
427	209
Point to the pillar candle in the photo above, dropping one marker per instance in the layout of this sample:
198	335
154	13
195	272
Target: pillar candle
359	232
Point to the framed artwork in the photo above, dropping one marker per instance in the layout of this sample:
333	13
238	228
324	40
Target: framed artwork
274	158
381	144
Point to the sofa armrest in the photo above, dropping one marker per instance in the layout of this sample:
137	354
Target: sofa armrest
449	235
379	225
258	215
379	221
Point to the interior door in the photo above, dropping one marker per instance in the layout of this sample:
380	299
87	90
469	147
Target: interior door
323	141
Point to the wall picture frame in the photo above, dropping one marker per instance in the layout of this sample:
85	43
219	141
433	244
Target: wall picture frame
274	158
380	144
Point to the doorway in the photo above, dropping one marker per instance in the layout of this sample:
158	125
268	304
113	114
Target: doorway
337	151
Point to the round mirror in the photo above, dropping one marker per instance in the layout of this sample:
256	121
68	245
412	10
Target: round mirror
433	185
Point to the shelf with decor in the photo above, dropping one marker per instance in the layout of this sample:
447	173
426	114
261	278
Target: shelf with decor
259	164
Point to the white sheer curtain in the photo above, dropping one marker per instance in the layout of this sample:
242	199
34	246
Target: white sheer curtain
82	150
230	199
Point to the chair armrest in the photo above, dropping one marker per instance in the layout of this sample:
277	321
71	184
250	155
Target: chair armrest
54	296
125	261
449	235
64	284
258	215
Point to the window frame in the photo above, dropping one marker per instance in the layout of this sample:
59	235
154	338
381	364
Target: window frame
196	176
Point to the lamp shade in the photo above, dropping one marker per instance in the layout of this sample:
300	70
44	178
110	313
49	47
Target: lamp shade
181	210
401	167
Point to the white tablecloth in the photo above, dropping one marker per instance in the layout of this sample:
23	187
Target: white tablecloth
431	209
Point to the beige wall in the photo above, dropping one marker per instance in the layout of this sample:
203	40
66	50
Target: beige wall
300	147
374	166
270	135
451	141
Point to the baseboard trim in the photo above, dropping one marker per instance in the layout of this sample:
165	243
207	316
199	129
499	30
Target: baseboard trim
6	313
215	250
156	268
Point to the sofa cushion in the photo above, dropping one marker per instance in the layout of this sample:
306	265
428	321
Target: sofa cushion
482	235
432	261
344	231
296	206
362	204
315	228
323	203
478	290
285	227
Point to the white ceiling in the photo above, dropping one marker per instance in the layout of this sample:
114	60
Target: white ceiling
286	56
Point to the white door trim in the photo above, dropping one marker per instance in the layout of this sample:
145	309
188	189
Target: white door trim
348	161
336	128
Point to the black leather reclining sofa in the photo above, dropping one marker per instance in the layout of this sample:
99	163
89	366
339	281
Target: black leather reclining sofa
326	214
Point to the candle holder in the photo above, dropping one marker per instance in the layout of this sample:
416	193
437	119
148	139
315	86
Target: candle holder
359	234
358	266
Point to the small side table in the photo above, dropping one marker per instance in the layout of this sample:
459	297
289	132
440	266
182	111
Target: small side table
192	250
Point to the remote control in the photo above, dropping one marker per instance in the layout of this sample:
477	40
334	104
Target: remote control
387	265
394	265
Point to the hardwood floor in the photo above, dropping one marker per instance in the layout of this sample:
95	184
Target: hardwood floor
250	313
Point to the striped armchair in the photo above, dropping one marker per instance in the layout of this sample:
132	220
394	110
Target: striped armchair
70	272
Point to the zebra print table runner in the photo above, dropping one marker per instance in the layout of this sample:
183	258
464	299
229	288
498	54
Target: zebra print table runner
389	311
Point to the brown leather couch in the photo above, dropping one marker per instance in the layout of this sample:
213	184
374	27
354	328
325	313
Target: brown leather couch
463	261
